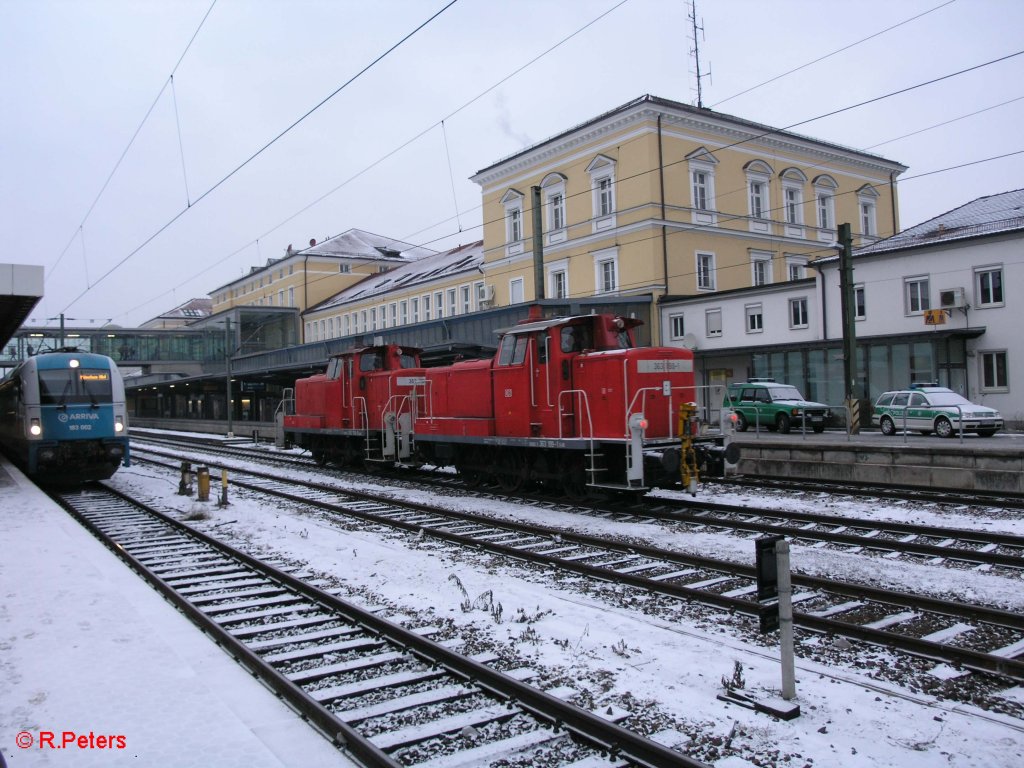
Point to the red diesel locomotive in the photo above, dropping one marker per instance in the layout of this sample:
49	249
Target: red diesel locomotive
568	402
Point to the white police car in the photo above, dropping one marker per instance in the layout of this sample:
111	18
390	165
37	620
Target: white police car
928	409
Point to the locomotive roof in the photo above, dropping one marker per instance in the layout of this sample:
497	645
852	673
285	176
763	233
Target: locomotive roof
404	348
542	325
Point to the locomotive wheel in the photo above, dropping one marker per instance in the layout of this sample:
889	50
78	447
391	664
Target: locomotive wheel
512	470
574	478
319	453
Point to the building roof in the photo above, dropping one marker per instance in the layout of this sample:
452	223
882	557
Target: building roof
191	310
351	244
990	215
464	258
359	244
698	115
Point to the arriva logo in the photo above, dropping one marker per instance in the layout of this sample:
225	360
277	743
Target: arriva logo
63	418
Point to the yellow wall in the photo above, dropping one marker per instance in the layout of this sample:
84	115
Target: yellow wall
630	138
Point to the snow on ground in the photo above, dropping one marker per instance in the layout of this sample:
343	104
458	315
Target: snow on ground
86	647
615	652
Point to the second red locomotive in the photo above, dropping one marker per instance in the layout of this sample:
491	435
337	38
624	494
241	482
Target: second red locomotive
569	402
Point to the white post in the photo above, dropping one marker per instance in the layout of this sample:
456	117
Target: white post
785	620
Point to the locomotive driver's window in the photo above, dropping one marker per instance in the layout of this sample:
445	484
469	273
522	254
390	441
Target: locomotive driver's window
542	348
508	346
576	338
371	362
334	368
522	342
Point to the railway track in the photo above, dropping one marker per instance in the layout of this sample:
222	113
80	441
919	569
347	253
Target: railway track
965	635
944	496
921	542
386	695
901	493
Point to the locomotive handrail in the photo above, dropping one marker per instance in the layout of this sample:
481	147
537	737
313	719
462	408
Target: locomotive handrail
586	402
642	393
359	403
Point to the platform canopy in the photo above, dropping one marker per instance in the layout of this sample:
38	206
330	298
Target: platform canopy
21	288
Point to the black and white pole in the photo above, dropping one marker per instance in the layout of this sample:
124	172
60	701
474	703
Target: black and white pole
785	620
775	594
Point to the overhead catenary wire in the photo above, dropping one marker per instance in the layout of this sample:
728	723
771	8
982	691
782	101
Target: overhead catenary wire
135	135
259	152
474	99
833	53
393	152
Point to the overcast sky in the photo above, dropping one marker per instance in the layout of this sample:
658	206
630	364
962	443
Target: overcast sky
78	77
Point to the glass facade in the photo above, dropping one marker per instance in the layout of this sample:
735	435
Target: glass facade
881	366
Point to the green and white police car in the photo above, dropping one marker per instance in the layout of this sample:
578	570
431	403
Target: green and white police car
766	403
927	408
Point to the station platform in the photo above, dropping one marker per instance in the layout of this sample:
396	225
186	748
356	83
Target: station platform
990	464
89	649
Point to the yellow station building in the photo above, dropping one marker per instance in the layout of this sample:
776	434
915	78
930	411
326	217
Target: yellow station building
661	198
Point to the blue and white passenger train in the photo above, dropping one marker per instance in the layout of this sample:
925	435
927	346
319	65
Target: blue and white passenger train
63	417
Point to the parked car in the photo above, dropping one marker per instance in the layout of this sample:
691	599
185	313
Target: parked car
766	403
930	409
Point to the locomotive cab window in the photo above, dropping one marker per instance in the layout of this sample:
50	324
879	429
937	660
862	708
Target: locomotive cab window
508	348
576	338
373	361
334	368
408	361
522	344
74	386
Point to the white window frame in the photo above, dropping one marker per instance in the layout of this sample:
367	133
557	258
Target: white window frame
797	263
980	273
713	323
912	294
452	299
330	327
867	209
466	299
799	316
705	278
606	265
403	312
348	324
512	201
761	268
602	188
701	169
373	318
753	318
516	291
793	182
414	309
394	313
988	363
825	188
425	301
559	267
439	304
479	294
860	305
677	326
554	207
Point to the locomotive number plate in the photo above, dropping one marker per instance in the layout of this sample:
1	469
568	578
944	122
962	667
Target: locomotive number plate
664	366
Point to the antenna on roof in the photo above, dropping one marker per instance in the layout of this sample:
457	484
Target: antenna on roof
695	51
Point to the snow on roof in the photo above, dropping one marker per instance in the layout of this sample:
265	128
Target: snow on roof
358	243
700	113
352	244
990	215
464	258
